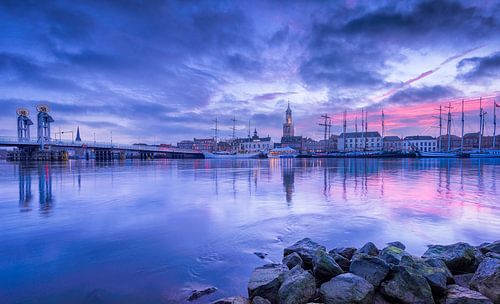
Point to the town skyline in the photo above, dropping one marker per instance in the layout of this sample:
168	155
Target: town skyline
162	71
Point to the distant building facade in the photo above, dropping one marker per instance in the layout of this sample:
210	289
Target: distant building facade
256	143
360	141
392	143
419	143
201	144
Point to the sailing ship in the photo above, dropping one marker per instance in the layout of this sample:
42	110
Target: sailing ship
440	153
234	153
480	152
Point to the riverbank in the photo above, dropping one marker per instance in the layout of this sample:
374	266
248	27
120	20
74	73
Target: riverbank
451	274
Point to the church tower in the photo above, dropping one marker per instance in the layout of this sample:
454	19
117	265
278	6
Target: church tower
288	125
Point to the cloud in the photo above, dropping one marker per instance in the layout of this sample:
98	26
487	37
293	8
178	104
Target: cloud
477	69
422	94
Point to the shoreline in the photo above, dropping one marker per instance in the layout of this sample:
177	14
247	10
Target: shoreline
309	273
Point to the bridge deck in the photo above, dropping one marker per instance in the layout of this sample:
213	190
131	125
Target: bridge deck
6	141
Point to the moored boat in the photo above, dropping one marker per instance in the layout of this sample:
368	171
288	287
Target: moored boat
285	152
438	154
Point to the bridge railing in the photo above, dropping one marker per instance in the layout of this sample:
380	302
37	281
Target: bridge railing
6	140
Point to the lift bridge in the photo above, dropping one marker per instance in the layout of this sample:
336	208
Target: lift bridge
44	147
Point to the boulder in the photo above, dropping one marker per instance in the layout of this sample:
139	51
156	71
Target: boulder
306	249
435	276
232	300
463	279
486	280
347	288
293	260
492	254
379	299
261	255
196	294
441	264
459	257
397	244
325	267
341	261
368	248
392	254
490	247
456	294
405	286
299	286
346	252
260	300
266	280
370	268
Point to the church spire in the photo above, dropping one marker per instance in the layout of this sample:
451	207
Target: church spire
78	134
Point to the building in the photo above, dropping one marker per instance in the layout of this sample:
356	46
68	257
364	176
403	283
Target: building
322	145
204	144
419	143
186	144
201	144
455	142
288	129
360	141
392	143
256	143
471	141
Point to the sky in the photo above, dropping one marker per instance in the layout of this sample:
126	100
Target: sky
162	71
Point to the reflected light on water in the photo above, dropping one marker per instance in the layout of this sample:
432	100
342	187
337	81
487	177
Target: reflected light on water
146	232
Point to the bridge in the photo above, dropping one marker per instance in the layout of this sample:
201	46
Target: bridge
43	147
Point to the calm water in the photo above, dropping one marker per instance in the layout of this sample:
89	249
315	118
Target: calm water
147	232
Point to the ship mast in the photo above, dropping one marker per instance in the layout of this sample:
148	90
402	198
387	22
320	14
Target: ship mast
345	127
363	129
448	126
463	123
366	129
216	129
481	118
356	132
383	131
495	123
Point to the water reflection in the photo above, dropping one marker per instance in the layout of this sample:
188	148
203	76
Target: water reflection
174	223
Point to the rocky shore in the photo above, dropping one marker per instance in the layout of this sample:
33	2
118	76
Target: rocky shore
452	274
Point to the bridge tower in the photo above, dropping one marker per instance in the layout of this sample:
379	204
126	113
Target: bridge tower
23	124
44	121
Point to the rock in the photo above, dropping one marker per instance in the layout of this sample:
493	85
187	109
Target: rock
196	294
486	280
299	286
392	254
407	287
461	295
459	257
346	252
261	255
397	244
493	247
347	288
232	300
260	300
306	249
441	264
492	255
341	261
370	268
463	279
293	260
266	281
435	276
368	248
379	299
325	267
